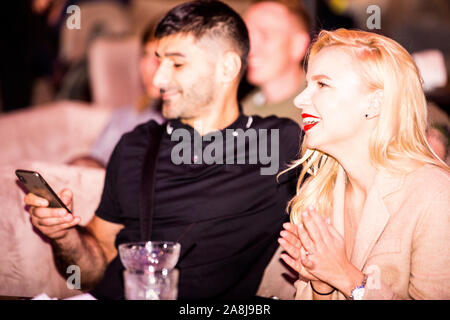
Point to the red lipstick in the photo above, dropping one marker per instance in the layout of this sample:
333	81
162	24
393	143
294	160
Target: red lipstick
310	122
309	126
307	115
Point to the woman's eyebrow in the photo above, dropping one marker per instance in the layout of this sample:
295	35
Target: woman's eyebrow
320	76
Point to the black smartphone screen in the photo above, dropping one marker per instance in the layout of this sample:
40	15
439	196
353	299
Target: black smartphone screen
36	184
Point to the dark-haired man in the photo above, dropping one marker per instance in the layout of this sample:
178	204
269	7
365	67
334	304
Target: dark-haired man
215	192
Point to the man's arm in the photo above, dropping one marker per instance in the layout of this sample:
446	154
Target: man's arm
91	248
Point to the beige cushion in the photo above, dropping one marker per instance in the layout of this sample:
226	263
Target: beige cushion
55	132
114	71
26	259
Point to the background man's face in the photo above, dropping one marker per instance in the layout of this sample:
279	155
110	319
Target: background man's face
270	29
148	65
185	76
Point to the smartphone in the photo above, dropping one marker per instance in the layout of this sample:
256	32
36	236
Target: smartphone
36	184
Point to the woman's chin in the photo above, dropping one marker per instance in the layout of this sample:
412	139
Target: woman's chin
310	143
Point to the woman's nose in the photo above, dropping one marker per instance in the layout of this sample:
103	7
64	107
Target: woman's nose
302	99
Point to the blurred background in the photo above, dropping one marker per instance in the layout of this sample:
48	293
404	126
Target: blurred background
46	64
42	60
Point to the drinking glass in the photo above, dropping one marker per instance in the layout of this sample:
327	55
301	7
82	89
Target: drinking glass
149	255
150	273
147	285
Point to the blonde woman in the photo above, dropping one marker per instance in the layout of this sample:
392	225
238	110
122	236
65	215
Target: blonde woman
372	219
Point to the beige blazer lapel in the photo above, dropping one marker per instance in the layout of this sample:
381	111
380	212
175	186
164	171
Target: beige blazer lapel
374	218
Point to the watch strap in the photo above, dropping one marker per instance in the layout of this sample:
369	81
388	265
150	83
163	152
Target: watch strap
361	286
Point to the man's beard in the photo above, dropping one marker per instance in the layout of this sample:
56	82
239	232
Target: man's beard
188	105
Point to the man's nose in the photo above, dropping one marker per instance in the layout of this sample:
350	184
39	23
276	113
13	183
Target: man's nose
162	76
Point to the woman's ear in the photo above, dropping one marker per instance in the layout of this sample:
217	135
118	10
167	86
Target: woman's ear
374	106
230	66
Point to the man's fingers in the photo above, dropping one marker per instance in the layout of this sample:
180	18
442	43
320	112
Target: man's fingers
67	225
52	230
66	196
43	213
33	200
52	222
56	221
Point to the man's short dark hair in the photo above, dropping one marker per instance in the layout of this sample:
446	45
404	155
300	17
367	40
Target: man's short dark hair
207	17
148	33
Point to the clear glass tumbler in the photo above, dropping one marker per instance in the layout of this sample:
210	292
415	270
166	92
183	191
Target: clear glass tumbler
147	285
149	255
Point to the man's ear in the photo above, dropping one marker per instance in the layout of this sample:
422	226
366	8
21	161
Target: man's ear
299	45
230	66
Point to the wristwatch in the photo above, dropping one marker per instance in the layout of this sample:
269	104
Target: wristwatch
358	291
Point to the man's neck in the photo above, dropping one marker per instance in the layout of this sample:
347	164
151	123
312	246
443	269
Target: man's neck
284	86
220	116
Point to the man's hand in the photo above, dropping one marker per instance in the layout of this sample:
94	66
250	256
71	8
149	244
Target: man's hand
54	223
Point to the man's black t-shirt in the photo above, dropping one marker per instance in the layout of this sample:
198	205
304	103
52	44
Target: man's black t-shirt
226	216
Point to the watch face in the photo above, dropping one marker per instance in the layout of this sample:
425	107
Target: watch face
358	293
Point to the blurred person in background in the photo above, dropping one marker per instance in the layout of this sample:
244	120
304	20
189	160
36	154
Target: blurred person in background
98	18
279	38
126	118
433	71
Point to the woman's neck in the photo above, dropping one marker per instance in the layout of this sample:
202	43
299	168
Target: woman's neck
359	170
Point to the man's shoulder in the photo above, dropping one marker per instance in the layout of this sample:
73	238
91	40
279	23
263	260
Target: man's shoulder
143	131
140	135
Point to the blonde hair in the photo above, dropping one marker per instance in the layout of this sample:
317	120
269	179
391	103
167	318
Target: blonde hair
397	145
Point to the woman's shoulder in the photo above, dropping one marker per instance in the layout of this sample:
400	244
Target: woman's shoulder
431	177
427	186
429	200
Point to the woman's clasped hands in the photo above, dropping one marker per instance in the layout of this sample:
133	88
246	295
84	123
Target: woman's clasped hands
316	250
